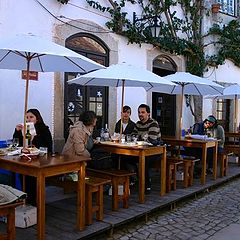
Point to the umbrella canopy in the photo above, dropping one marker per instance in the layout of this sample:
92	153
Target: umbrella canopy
124	74
231	92
190	84
43	55
31	53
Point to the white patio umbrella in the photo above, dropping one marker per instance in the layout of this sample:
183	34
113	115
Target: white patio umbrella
124	74
231	92
190	84
32	53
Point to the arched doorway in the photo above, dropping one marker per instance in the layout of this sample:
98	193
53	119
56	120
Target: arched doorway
164	105
79	98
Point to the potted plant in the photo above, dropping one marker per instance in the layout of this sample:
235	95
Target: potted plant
215	7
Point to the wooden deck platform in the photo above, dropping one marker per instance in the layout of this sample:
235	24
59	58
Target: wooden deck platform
61	216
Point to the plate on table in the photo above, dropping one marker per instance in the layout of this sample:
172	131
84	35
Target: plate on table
30	153
3	152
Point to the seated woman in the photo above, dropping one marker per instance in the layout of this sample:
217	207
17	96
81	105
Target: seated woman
43	138
127	124
79	141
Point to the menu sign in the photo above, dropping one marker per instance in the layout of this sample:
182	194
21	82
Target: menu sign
32	75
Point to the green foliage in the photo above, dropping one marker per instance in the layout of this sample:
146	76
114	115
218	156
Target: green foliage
228	43
171	27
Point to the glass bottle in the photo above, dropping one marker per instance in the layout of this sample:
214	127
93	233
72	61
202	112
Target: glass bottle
106	133
102	134
28	137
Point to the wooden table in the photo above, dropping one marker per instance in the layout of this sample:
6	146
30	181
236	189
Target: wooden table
197	143
47	166
141	152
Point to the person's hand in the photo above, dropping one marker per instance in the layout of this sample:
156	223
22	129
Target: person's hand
19	127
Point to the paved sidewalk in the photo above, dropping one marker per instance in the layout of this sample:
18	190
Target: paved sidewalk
215	216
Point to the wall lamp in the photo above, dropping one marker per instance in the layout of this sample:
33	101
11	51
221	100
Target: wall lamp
152	22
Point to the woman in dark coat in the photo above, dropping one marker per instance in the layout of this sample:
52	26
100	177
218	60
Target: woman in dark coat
43	138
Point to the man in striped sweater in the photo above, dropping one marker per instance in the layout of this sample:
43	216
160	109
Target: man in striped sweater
147	129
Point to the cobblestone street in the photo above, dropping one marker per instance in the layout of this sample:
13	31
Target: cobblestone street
214	216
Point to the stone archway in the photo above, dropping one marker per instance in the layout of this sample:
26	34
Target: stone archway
61	33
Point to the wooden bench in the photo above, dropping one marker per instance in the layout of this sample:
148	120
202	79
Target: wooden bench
232	149
188	168
117	177
171	181
94	185
8	211
68	186
223	160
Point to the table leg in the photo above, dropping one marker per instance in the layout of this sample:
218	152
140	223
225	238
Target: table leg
163	172
204	164
141	175
215	161
81	197
41	207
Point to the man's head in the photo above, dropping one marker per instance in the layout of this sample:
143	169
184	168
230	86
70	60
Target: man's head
143	112
126	113
210	121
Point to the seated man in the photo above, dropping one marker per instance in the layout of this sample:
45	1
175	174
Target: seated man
217	132
147	129
211	126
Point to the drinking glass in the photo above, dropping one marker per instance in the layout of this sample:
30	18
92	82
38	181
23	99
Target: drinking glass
15	142
9	143
134	138
145	137
129	138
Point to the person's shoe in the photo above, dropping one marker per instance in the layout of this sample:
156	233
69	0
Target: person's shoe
147	190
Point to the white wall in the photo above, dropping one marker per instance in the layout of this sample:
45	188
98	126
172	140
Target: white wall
23	17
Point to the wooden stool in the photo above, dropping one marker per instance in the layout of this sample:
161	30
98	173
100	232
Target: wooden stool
94	185
8	211
223	159
171	173
117	177
188	169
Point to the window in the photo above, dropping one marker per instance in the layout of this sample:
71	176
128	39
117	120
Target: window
228	6
223	112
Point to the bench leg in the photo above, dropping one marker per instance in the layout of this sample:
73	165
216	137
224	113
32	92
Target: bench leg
99	203
186	175
114	194
126	192
11	231
88	217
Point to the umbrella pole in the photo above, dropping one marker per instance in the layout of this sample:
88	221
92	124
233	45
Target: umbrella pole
26	103
123	88
181	110
235	112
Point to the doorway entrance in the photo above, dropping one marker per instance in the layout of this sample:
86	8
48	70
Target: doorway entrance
79	98
164	105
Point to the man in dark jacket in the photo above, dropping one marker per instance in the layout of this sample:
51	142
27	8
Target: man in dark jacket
127	124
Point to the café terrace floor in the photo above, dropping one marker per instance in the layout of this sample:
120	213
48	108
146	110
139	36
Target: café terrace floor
61	209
